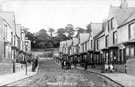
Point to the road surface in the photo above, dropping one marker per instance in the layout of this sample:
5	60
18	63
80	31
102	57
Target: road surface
50	74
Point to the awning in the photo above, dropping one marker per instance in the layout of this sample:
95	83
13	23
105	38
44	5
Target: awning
97	51
85	52
105	49
13	47
113	47
130	42
90	50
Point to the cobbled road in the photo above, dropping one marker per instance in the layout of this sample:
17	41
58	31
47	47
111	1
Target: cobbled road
51	74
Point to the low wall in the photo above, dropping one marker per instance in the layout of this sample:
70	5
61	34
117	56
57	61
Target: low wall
6	66
130	66
120	68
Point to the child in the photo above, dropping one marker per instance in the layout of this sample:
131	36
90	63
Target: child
106	67
111	68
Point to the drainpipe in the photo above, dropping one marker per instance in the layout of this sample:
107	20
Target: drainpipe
14	62
13	65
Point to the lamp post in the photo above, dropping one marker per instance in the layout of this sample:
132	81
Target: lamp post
26	56
26	60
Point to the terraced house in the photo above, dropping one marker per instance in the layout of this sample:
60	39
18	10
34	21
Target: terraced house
10	42
82	46
94	52
75	51
112	41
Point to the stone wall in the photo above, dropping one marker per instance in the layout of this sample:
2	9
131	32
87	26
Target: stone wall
130	66
120	68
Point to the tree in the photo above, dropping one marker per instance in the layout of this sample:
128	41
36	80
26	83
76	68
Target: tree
88	28
80	30
32	38
69	29
51	30
42	34
60	31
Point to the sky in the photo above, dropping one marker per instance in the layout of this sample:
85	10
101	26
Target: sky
42	14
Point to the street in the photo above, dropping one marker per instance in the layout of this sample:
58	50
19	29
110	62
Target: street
50	74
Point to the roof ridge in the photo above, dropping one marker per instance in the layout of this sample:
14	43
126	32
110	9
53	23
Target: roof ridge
120	7
8	12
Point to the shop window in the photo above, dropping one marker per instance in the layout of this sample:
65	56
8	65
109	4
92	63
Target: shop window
131	31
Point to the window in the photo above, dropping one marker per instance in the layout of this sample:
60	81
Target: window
110	24
11	38
127	51
114	37
106	57
132	51
121	59
107	38
91	44
97	44
131	31
14	40
6	31
111	56
85	46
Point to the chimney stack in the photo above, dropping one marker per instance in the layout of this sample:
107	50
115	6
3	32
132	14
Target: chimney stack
124	4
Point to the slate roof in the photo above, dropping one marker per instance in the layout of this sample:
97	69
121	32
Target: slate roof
130	17
9	17
83	37
123	15
96	28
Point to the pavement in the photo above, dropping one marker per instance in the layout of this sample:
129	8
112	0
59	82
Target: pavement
13	77
123	79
